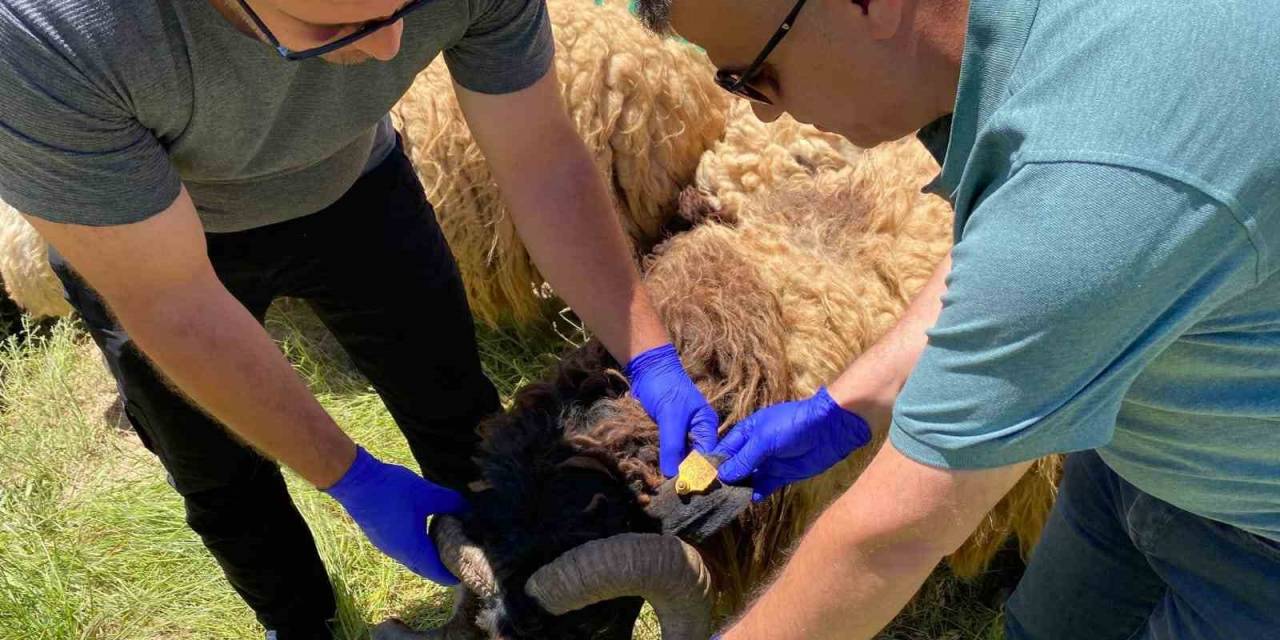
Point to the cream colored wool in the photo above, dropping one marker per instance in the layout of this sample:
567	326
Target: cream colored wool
24	267
776	301
755	156
646	107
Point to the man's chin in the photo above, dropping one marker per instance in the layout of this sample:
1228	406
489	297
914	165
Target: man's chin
867	139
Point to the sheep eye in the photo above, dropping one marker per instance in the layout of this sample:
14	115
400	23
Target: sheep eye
596	501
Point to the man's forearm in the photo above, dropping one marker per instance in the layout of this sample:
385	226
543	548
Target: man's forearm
862	561
563	212
215	352
568	225
871	384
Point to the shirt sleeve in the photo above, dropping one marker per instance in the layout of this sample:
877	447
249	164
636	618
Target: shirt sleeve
70	150
506	48
1066	282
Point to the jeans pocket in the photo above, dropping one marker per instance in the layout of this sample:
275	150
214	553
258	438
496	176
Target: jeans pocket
1266	547
1147	521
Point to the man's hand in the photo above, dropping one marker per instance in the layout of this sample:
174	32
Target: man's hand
391	505
659	382
790	442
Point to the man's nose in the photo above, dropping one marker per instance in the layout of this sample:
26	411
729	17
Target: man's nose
384	43
766	112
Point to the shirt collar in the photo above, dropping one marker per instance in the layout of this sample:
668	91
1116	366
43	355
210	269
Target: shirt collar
996	34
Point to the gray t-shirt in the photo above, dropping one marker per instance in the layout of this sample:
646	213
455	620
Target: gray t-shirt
108	106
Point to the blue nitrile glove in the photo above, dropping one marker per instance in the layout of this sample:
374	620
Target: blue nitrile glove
790	442
659	382
391	505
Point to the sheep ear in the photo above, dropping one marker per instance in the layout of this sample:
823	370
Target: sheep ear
479	486
696	517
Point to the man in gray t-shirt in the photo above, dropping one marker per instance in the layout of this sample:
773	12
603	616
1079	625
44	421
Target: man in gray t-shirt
190	160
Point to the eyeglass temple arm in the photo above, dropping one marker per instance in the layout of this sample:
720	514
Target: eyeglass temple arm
262	26
771	44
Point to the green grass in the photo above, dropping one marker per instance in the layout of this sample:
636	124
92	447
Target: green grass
93	544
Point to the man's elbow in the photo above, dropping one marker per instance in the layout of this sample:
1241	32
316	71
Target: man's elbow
177	305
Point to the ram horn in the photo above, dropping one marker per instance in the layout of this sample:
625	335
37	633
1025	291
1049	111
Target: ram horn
663	570
463	557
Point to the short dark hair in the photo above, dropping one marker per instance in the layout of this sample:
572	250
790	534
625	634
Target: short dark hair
655	14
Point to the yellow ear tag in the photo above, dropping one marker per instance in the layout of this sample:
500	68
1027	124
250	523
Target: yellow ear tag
696	474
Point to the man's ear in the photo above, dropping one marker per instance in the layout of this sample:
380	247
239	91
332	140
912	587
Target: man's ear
884	16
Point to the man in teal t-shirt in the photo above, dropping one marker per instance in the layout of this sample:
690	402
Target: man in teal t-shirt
1113	293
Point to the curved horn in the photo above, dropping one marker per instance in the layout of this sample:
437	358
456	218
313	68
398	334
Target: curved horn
462	557
661	569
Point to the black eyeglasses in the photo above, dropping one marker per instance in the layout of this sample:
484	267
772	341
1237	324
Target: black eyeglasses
364	31
739	84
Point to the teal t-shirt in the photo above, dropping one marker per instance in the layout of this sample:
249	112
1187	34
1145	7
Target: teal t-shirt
1115	170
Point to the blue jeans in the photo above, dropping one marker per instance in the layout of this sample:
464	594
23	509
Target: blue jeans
1117	564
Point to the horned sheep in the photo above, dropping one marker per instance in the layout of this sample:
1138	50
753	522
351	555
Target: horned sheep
766	300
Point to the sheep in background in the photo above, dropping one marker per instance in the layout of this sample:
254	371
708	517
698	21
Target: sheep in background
24	267
755	156
647	108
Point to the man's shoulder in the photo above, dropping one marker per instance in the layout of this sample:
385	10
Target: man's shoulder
90	35
1186	93
1152	63
69	22
89	53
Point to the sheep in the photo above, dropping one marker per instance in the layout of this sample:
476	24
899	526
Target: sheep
647	108
765	302
24	267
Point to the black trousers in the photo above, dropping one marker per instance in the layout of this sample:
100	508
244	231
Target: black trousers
377	271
